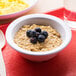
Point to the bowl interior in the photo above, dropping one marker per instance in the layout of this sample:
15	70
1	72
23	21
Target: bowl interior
41	21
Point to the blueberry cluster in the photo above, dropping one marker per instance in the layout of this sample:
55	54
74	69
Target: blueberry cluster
37	35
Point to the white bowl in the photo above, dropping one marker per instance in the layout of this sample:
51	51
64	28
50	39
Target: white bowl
55	22
10	17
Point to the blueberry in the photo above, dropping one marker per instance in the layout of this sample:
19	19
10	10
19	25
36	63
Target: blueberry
37	34
33	40
41	38
44	33
38	30
33	33
28	33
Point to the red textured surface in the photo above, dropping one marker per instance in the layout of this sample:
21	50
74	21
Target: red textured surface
64	64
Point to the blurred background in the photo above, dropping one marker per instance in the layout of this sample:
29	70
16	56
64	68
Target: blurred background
47	5
42	6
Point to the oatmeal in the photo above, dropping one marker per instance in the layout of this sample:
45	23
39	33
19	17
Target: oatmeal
53	38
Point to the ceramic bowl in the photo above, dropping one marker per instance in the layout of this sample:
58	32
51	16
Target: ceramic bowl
43	19
9	17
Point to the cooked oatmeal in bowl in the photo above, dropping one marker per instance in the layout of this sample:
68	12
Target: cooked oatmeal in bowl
51	42
38	37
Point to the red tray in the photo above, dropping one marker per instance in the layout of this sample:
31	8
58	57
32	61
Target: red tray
63	64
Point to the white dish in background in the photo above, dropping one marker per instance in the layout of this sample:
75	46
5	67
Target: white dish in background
10	17
44	19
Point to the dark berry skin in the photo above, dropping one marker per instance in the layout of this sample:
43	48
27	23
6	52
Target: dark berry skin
33	40
41	38
38	30
28	33
33	33
44	33
37	34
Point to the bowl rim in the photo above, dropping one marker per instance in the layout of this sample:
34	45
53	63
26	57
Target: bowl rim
56	50
20	11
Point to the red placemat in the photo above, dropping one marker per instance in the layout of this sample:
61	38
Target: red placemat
64	64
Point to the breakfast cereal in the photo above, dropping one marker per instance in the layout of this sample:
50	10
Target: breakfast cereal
52	41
